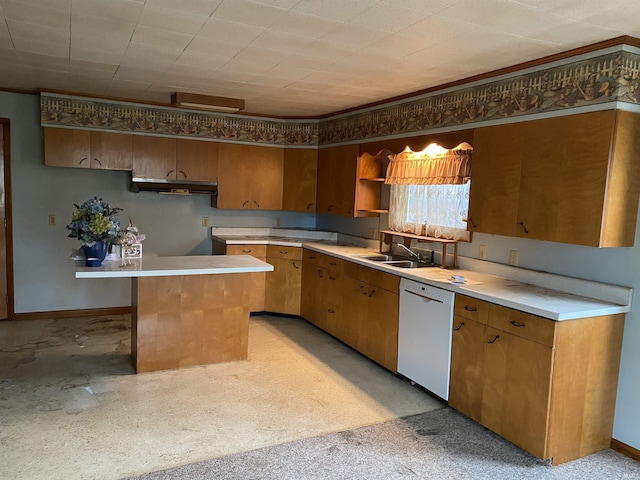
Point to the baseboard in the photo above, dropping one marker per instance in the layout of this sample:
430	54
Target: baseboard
89	312
625	449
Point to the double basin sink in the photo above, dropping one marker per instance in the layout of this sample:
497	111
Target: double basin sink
397	261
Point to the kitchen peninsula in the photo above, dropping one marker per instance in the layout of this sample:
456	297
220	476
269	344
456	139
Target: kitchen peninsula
186	310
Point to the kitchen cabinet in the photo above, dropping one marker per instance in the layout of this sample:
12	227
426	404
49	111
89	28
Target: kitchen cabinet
350	184
282	288
250	177
166	158
256	289
300	179
64	147
568	179
322	290
549	387
370	310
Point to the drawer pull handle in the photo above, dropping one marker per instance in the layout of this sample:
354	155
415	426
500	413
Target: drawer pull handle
331	311
257	204
312	257
459	326
362	290
523	227
470	309
83	159
284	253
494	339
470	220
320	273
96	160
332	278
309	206
372	292
169	173
333	264
295	266
513	322
183	173
246	251
245	203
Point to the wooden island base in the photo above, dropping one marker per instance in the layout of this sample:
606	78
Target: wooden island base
182	321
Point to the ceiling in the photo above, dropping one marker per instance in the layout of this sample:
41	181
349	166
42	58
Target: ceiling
287	57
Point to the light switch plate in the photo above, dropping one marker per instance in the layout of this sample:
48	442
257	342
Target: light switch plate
205	221
52	220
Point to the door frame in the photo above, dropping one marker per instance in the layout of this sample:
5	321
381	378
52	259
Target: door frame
6	150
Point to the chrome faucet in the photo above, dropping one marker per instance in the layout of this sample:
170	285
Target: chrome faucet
411	252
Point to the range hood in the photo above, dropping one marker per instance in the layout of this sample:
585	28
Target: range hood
174	187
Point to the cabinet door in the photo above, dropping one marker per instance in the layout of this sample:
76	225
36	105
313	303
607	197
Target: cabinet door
354	311
300	179
154	157
310	291
467	367
65	147
337	179
378	335
250	177
564	178
111	151
197	160
283	286
516	390
495	179
256	290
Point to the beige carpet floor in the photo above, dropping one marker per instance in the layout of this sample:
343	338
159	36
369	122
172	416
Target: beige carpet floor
72	408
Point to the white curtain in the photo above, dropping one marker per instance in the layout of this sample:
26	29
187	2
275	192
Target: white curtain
431	210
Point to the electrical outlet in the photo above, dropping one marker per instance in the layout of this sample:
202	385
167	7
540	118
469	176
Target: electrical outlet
205	221
513	258
482	252
372	233
52	220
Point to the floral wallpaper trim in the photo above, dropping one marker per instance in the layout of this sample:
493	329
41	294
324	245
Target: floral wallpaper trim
68	111
602	79
607	78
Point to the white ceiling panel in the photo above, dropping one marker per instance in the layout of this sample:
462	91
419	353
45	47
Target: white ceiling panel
287	57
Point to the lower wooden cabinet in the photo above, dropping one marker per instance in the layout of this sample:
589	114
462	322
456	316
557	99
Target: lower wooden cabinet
256	290
549	387
356	304
282	287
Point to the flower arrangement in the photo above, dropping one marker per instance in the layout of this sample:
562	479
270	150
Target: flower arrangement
94	221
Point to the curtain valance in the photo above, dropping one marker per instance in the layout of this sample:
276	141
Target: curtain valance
445	167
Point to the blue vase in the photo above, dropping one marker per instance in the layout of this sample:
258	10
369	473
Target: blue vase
95	254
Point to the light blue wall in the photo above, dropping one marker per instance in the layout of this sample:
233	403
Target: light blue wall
44	278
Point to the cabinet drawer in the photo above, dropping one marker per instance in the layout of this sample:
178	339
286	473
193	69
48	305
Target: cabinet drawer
522	324
325	261
471	308
278	251
372	276
258	251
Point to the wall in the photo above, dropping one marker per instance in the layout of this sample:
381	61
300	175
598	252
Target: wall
44	277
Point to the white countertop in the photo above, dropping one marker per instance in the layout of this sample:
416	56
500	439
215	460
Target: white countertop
539	294
154	266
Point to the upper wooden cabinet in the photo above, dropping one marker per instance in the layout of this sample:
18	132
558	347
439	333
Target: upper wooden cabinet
250	177
175	159
65	147
567	179
349	184
300	179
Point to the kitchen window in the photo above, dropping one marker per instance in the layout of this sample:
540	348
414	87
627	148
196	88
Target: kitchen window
430	191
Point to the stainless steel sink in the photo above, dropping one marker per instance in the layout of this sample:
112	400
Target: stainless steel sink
410	264
383	258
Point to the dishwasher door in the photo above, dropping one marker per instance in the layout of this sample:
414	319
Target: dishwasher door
424	335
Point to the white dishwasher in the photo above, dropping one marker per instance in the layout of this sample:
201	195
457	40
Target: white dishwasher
424	335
